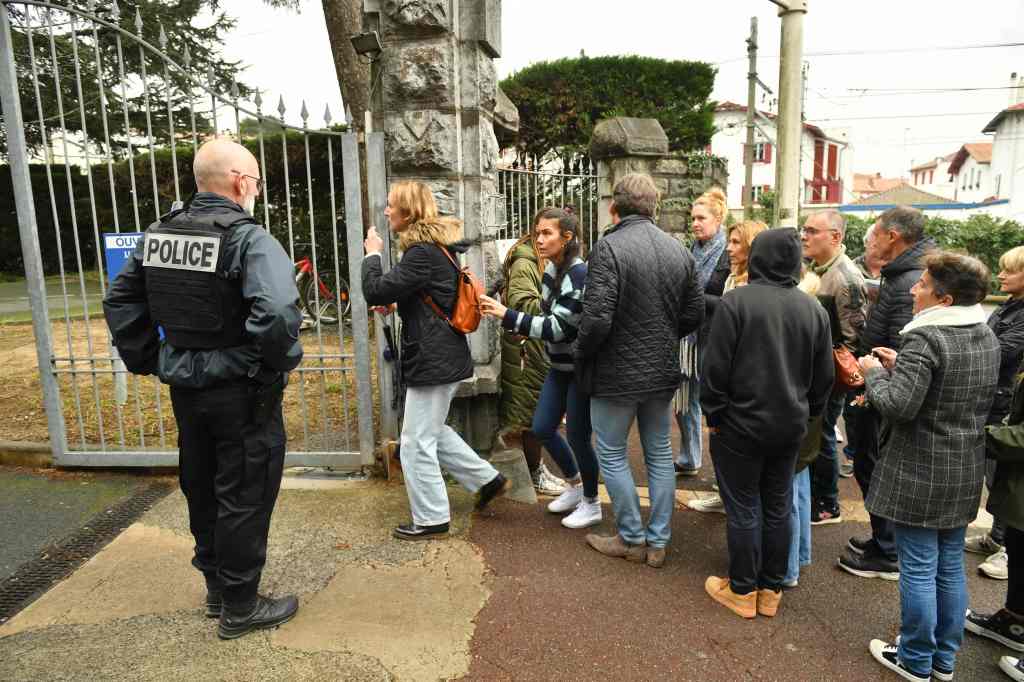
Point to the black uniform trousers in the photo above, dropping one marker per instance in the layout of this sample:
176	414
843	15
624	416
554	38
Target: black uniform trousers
869	427
230	472
757	490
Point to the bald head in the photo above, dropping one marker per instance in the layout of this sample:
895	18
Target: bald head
221	166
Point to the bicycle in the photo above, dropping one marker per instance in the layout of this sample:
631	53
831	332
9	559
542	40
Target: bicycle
315	296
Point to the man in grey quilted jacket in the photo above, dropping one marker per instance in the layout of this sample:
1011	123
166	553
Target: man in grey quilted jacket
641	298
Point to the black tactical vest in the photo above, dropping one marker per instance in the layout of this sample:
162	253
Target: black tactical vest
191	293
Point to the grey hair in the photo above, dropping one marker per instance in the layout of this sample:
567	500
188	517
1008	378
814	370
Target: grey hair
907	221
836	220
635	194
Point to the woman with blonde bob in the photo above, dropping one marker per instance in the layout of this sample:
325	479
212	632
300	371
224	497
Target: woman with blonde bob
435	357
737	244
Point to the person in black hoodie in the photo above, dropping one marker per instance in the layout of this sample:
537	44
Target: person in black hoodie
899	241
768	370
435	357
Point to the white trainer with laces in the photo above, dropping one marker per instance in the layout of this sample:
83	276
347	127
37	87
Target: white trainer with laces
708	505
567	501
546	483
1013	667
996	567
587	513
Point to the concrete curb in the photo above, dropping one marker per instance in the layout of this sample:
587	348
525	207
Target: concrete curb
25	454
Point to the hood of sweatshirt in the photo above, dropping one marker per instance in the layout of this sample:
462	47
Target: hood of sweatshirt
775	258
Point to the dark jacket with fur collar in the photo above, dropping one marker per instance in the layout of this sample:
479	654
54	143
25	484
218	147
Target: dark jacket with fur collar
432	352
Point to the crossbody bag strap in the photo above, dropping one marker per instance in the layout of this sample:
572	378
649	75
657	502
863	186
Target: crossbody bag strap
430	301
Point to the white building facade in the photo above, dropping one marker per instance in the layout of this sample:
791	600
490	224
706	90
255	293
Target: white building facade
1007	166
825	163
933	176
971	173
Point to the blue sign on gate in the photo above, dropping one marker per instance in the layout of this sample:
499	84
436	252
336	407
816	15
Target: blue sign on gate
119	247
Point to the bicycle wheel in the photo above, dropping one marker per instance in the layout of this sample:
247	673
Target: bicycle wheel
322	305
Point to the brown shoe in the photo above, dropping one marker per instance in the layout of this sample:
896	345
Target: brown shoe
768	602
614	545
655	557
744	605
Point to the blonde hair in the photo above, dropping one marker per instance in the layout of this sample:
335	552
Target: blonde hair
748	229
714	200
416	203
1012	260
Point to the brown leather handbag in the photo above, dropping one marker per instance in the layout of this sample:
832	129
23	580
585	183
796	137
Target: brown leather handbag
848	374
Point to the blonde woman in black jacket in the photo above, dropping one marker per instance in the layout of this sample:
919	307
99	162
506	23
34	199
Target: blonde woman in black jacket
435	357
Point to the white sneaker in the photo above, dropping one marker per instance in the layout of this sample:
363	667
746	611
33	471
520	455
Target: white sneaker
567	501
546	483
708	505
995	566
982	544
1012	667
586	514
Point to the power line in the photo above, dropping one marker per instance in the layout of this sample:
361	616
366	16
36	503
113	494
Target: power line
894	50
878	118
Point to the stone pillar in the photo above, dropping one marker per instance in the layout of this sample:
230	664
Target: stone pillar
639	145
436	104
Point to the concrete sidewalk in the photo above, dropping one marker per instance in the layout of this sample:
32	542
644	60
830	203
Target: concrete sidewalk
511	595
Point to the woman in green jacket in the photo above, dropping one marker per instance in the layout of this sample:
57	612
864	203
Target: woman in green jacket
524	364
1005	444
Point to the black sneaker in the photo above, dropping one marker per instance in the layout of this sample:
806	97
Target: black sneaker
497	487
1000	626
888	655
869	565
686	472
265	613
214	603
858	545
937	672
823	516
412	531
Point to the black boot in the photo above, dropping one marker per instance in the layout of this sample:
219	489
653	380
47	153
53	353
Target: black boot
497	486
265	613
214	601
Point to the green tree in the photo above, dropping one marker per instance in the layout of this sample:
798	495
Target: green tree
559	102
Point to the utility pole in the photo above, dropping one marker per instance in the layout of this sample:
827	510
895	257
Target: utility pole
748	148
787	172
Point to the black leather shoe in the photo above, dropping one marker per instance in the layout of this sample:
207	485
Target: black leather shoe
214	602
497	487
267	613
411	531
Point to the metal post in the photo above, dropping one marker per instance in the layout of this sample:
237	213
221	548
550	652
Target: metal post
28	230
377	195
748	148
787	172
360	321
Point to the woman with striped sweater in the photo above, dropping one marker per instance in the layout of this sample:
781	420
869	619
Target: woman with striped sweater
556	232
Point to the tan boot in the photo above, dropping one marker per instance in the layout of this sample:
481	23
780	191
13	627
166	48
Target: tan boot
655	557
744	605
614	545
768	602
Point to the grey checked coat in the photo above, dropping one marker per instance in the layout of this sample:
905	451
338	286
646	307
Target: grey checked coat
935	403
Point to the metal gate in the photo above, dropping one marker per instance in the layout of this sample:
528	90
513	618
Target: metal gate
532	185
103	159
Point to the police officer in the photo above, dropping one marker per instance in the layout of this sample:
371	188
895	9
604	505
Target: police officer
208	303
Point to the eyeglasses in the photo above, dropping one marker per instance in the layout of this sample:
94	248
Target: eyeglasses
259	181
811	231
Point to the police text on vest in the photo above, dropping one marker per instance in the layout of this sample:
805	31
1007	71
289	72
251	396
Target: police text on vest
181	252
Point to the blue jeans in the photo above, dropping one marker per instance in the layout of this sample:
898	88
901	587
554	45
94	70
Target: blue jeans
800	518
690	452
933	596
560	396
825	469
612	421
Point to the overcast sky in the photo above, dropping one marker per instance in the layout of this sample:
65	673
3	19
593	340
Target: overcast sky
289	55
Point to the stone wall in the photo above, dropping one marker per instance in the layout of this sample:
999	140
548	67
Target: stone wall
631	145
436	105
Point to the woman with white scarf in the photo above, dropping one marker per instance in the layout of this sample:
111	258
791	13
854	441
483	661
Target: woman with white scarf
934	395
713	268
